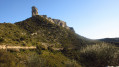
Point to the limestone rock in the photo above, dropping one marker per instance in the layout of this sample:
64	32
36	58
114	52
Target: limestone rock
48	18
59	22
45	16
34	11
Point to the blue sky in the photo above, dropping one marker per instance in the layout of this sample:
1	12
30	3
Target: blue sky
93	19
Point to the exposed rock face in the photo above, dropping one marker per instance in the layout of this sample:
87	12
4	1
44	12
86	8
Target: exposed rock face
34	11
58	22
55	21
48	18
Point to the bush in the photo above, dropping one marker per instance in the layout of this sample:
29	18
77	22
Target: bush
72	64
51	49
36	60
22	38
1	39
99	55
7	59
40	48
65	49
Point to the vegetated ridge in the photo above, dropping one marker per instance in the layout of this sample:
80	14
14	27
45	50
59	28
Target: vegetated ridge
42	30
111	40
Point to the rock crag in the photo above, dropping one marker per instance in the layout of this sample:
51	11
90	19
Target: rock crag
58	22
34	11
55	21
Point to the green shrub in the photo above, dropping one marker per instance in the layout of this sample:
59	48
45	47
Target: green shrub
36	60
99	55
40	48
51	49
58	60
1	39
72	63
22	38
7	59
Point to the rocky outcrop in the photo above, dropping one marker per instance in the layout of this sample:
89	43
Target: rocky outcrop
34	11
48	18
58	22
55	21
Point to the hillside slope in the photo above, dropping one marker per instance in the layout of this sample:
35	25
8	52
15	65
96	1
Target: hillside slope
42	30
10	34
32	32
111	40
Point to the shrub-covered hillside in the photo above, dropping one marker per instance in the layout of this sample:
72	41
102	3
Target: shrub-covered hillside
10	34
111	40
42	30
77	51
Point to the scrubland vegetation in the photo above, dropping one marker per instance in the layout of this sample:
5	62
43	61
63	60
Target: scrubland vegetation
99	55
77	51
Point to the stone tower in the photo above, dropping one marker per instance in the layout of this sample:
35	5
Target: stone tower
34	11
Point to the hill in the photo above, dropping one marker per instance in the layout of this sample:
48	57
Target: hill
39	31
48	37
41	41
42	30
111	40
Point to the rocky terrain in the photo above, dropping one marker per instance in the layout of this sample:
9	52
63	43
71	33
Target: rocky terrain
55	21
